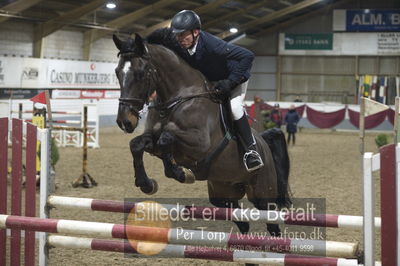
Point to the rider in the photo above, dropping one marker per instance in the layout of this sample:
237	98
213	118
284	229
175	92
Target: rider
227	64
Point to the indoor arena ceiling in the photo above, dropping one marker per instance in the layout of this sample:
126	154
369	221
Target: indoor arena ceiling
252	17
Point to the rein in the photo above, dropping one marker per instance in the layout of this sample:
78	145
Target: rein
166	107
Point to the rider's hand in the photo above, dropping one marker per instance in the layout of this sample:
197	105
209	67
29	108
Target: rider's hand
224	88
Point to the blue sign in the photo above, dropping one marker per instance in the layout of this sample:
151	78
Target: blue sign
373	20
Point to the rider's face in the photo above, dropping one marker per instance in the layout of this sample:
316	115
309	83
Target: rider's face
186	39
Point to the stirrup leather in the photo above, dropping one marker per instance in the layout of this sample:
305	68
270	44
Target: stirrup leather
252	152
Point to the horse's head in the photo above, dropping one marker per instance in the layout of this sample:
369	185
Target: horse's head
135	76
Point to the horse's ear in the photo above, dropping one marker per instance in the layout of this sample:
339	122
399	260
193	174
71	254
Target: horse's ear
117	41
140	47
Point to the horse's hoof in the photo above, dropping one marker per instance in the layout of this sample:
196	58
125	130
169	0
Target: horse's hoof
150	189
189	176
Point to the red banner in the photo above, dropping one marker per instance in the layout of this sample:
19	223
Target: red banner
370	121
325	119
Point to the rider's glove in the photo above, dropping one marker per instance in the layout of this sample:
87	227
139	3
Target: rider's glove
224	88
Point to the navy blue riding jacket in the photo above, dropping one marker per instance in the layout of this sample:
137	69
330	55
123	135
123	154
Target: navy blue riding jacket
218	59
214	57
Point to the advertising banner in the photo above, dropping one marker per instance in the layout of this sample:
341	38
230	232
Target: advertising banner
35	73
366	20
310	41
70	74
347	43
85	94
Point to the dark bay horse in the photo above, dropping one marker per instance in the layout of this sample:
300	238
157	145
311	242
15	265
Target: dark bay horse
185	127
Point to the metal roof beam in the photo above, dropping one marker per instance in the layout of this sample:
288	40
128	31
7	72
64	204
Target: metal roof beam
129	18
268	18
93	35
70	17
250	16
199	10
236	13
301	18
270	10
17	6
286	3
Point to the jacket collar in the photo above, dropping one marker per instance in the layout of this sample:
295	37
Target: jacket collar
192	50
200	46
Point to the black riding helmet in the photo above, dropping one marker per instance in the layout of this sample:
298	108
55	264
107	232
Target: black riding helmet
185	20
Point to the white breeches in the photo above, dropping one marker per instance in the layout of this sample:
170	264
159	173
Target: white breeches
237	99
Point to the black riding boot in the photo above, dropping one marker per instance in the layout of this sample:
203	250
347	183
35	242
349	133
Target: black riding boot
251	158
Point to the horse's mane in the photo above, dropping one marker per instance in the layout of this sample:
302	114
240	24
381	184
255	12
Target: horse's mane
166	38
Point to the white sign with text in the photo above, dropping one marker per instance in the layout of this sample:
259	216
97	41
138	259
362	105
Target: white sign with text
17	72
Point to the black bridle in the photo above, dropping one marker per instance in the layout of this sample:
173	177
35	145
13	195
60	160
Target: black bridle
131	102
136	104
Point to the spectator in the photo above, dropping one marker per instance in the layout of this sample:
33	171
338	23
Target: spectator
291	120
276	116
257	99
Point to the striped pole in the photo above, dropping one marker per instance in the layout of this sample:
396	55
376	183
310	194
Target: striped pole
180	236
388	180
214	213
30	191
190	252
53	112
16	188
3	183
60	121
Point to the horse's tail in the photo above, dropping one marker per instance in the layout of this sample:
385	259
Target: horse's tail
275	139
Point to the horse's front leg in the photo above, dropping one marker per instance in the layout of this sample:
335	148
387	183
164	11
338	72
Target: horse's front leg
146	185
171	169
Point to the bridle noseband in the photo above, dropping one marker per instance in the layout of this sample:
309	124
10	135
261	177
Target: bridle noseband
131	102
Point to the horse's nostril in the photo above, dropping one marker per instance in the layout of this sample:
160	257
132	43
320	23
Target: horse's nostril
128	126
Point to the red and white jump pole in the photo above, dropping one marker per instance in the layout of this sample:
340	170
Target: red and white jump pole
53	112
214	213
190	252
180	236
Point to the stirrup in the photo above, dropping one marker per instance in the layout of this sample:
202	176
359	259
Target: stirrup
252	152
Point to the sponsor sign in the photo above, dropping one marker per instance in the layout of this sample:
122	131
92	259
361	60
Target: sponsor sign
66	94
85	94
32	73
350	43
92	94
81	74
112	94
311	41
389	42
367	20
18	93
